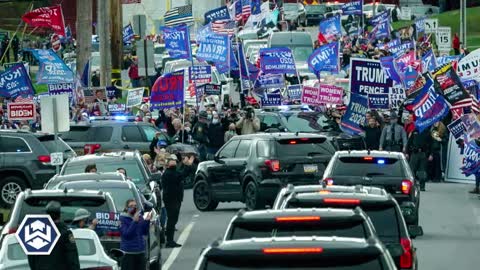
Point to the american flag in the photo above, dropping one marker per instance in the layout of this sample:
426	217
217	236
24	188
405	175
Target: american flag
27	99
179	15
466	105
224	27
238	10
246	8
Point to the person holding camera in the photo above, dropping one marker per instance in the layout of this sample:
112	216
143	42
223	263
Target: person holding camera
249	124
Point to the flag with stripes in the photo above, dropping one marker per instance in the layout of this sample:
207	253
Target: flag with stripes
238	10
179	15
246	8
224	27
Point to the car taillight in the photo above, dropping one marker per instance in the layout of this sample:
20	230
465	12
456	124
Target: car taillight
297	219
292	250
328	181
341	201
12	230
112	233
406	186
406	260
273	165
44	159
91	148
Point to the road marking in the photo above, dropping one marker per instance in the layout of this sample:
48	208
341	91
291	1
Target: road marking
176	251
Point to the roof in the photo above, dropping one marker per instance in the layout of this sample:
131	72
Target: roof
100	184
323	213
89	176
102	156
362	153
336	188
279	135
62	193
363	198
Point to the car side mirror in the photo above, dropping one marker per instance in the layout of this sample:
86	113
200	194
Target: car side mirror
217	159
414	231
116	253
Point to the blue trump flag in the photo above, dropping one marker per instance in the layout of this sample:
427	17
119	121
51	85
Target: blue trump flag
389	68
15	82
471	163
381	30
177	41
331	27
127	33
447	59
379	18
52	69
277	60
428	61
420	25
224	67
216	14
214	48
204	32
248	71
355	115
352	8
168	91
399	49
429	107
325	58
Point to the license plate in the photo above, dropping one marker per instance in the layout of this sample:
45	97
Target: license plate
310	168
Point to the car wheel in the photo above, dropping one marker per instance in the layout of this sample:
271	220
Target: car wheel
202	197
9	189
252	197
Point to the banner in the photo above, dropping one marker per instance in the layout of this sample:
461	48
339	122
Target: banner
409	77
397	96
388	66
420	26
10	65
457	129
381	30
401	48
214	49
429	107
404	60
107	221
128	33
51	17
168	91
367	77
352	8
331	28
220	13
270	81
379	18
135	97
52	69
448	82
200	74
325	94
272	99
294	92
468	67
21	111
117	108
277	61
325	58
378	101
61	88
429	62
208	90
450	58
15	82
471	161
355	116
177	41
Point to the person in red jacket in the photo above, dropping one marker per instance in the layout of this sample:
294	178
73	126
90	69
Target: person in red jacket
133	73
456	44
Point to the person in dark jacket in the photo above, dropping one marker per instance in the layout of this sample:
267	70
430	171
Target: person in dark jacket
64	255
133	228
199	134
372	134
419	146
215	135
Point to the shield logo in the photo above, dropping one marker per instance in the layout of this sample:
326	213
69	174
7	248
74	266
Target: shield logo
37	235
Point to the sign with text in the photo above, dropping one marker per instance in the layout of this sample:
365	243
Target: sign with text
273	99
355	115
368	77
295	91
326	94
277	60
91	94
21	111
134	97
431	26
396	96
108	221
168	91
208	90
378	101
200	74
444	40
457	128
61	88
117	108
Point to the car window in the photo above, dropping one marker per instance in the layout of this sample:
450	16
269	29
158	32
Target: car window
368	166
119	195
228	151
131	134
49	143
243	149
305	122
85	247
270	121
304	147
76	134
14	145
101	134
150	133
263	149
385	222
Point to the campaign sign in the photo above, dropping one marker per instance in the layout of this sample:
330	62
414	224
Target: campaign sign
273	99
401	48
168	91
52	68
325	58
468	66
109	221
471	161
390	69
177	41
429	107
111	92
37	234
91	94
368	77
457	128
270	81
326	94
378	101
208	90
277	61
21	111
15	82
116	108
10	65
134	97
61	88
214	49
355	115
295	91
448	82
200	74
220	13
396	96
352	8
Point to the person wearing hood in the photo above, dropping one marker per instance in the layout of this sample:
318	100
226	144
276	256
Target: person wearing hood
215	135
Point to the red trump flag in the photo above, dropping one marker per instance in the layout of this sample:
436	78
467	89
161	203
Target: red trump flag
46	17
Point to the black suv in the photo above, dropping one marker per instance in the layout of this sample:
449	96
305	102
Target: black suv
25	162
308	121
300	222
384	212
297	253
389	170
253	168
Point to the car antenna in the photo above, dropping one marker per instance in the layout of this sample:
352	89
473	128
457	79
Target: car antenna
296	133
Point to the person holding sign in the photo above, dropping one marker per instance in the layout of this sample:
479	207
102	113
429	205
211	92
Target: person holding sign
80	221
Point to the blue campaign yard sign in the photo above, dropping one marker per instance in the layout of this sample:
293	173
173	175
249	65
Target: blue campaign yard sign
37	235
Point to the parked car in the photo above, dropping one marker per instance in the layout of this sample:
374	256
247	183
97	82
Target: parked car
90	252
295	12
316	13
253	168
25	162
58	179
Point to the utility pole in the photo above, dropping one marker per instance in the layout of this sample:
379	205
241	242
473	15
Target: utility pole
463	22
116	46
84	33
103	27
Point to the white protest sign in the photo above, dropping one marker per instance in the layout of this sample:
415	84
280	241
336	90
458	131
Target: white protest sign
135	97
444	40
397	95
468	66
431	26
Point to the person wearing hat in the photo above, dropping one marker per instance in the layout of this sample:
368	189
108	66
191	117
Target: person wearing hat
64	255
394	137
200	134
80	221
172	184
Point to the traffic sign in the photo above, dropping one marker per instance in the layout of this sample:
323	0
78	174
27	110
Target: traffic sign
444	39
431	25
56	158
21	111
37	234
55	41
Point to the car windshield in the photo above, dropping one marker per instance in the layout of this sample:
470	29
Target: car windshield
290	7
133	170
301	53
119	195
315	8
276	264
305	122
368	166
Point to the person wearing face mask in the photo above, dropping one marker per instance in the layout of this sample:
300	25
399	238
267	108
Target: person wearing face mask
232	132
215	135
133	228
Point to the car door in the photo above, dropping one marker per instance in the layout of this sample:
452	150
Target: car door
218	170
132	138
236	167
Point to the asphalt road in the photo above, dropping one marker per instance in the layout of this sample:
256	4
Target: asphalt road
449	216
